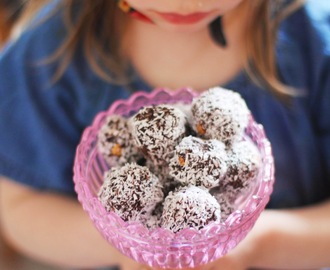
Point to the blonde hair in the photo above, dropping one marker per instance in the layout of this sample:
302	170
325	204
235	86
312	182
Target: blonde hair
10	11
261	40
99	27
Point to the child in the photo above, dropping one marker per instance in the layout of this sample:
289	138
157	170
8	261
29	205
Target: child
76	58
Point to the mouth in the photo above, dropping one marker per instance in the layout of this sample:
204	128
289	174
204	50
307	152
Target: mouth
176	18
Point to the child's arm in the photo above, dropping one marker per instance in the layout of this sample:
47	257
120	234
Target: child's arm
284	239
54	229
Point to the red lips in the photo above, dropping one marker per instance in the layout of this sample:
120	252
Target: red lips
175	18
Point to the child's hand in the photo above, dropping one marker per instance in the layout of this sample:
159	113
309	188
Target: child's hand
242	256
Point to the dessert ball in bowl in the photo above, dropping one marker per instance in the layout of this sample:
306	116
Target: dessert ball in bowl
191	196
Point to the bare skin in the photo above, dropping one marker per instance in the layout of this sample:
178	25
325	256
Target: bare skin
38	223
159	55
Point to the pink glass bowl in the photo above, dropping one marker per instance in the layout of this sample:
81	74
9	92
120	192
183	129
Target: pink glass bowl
160	247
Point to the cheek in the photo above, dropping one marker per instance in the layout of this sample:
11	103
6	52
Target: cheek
225	6
144	4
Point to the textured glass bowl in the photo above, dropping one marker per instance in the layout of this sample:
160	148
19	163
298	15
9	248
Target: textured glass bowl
159	247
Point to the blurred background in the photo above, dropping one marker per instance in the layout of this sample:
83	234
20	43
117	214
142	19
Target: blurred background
10	11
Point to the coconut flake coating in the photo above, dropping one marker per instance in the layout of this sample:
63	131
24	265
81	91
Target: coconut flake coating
220	114
162	172
189	207
157	130
152	219
131	191
199	162
226	204
243	167
114	142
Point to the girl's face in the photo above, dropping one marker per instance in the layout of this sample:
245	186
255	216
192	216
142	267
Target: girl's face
183	15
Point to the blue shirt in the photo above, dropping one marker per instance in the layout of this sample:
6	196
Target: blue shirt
41	123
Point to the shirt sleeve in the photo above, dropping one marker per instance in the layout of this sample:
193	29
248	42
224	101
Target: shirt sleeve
311	69
40	123
320	96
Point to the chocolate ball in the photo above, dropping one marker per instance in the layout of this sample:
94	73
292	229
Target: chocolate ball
244	163
189	207
220	114
199	162
157	130
115	142
131	191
